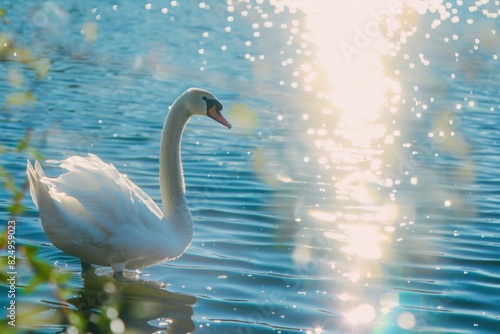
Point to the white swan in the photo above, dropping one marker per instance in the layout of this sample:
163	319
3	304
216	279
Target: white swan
98	215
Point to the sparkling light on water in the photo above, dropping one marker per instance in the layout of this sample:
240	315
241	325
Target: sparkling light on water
361	314
356	91
354	148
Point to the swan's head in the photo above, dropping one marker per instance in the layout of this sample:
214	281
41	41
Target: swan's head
203	103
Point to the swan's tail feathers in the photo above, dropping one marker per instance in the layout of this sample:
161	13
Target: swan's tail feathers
34	175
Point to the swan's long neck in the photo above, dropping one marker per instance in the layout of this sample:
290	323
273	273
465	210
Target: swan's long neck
172	188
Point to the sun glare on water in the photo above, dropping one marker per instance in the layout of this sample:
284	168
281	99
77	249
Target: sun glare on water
351	140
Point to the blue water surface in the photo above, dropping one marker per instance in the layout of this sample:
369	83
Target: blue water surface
357	192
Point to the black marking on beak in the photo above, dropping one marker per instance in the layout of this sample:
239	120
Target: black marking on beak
211	103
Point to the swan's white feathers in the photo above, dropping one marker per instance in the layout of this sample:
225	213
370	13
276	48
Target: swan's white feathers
101	178
33	182
94	194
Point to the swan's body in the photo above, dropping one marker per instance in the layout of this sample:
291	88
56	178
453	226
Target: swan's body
98	215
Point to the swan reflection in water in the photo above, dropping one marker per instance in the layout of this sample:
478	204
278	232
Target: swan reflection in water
137	306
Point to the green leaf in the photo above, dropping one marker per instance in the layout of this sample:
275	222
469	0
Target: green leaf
16	209
10	185
16	78
3	242
24	143
42	68
35	153
19	98
2	12
77	319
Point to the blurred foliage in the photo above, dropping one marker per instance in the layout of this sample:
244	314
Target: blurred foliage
13	52
17	193
244	117
42	273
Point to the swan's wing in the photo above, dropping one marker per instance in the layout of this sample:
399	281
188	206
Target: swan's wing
103	191
95	213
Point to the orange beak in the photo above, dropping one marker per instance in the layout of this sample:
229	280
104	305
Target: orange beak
216	115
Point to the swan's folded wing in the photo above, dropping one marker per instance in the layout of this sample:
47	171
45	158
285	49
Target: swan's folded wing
110	198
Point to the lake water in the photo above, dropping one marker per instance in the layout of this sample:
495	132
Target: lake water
358	191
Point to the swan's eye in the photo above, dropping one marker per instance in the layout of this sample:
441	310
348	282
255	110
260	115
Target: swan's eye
213	103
